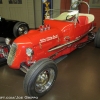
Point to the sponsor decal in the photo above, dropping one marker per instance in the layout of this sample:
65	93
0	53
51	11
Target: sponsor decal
48	38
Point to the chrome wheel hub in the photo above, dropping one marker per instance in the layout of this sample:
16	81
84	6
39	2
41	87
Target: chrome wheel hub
44	80
22	29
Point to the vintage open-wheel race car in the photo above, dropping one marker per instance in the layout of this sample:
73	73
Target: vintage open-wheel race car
10	29
38	52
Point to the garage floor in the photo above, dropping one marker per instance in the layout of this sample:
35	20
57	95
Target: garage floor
78	78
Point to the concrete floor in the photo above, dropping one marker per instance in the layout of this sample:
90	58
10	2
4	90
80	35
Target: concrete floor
78	78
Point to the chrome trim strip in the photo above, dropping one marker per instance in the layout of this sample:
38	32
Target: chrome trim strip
69	43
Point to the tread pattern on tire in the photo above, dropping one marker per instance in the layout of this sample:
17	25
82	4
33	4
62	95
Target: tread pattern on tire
32	69
97	39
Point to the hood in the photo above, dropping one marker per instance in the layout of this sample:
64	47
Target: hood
35	36
23	39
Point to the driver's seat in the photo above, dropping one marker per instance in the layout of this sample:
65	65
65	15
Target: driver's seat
83	20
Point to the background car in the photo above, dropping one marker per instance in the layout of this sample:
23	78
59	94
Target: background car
5	44
12	28
4	50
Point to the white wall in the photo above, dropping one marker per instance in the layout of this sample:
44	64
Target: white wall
38	13
30	11
21	12
56	4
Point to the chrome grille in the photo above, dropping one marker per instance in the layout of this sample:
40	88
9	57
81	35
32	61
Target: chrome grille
11	54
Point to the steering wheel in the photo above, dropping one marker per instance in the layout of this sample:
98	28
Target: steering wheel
70	17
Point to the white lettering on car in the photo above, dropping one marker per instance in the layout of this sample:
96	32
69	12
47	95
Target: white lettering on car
48	38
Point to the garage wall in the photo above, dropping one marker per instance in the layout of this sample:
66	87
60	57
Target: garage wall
30	11
4	9
22	12
56	4
65	4
38	13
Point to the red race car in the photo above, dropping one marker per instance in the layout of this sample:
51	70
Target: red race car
37	52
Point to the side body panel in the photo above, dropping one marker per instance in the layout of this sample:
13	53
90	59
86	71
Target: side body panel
41	42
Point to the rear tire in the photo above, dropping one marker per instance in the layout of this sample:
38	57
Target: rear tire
20	28
97	39
40	77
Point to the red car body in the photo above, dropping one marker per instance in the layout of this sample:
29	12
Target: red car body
58	38
35	53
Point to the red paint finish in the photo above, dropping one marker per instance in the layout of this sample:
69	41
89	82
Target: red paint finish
41	42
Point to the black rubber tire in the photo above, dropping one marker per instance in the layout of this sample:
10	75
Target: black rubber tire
97	39
16	27
3	61
2	40
33	73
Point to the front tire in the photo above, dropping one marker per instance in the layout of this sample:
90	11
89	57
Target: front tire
40	78
97	39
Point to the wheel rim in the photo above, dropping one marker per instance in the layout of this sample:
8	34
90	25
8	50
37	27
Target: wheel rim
44	80
22	30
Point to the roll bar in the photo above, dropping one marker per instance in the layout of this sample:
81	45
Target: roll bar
78	3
